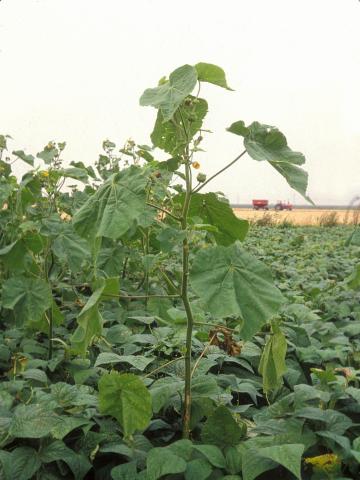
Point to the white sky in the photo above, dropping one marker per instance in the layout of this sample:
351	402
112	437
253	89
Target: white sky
74	70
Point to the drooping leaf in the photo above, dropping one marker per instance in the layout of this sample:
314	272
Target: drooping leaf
112	210
230	281
28	297
217	212
207	72
173	136
89	322
125	397
222	429
264	142
272	363
29	159
168	96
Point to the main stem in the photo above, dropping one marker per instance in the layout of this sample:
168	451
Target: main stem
187	306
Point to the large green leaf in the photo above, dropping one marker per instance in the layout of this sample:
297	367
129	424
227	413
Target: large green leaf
71	248
207	72
168	96
28	297
222	429
272	363
126	398
215	211
15	255
172	136
230	281
264	142
116	205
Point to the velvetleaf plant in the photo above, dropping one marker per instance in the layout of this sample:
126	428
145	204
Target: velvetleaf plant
227	280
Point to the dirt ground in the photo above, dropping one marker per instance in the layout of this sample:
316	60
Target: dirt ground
301	216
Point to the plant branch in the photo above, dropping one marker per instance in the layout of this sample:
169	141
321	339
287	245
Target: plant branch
139	297
164	211
218	173
202	354
163	366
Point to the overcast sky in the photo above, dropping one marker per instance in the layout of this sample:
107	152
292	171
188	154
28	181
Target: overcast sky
74	70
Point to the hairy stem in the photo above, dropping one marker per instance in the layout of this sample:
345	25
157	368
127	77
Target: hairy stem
187	306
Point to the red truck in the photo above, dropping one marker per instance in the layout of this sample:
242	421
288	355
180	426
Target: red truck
283	206
260	204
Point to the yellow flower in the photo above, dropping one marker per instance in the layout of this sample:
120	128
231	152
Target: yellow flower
44	173
196	165
327	462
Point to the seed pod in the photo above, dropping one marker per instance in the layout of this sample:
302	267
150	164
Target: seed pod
201	177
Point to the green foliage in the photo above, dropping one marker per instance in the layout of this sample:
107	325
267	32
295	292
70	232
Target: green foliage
126	398
28	297
222	429
114	208
264	142
207	72
168	96
232	282
131	315
272	363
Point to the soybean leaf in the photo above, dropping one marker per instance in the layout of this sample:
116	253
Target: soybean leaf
32	421
126	471
21	464
138	361
198	469
207	72
116	205
222	429
289	456
230	281
77	462
264	142
213	454
28	297
125	397
168	96
161	461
